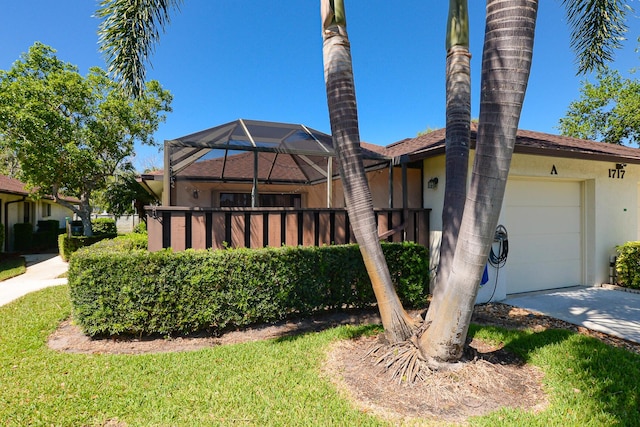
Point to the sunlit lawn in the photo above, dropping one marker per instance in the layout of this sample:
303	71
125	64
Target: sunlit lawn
270	383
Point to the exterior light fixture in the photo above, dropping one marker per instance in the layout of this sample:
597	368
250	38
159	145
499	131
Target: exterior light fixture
433	183
195	194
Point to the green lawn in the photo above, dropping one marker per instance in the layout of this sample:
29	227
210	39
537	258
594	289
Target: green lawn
11	267
270	383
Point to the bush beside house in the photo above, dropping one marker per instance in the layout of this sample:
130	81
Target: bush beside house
140	292
103	228
23	237
628	265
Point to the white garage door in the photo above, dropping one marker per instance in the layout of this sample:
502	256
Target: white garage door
543	219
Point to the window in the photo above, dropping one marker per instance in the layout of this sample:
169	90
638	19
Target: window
243	200
46	210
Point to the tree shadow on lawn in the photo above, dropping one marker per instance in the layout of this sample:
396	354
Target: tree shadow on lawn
579	367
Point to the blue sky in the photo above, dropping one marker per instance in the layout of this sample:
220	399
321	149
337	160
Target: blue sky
254	59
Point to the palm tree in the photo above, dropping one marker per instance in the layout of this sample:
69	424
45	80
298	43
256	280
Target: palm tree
128	33
457	139
130	30
343	115
506	62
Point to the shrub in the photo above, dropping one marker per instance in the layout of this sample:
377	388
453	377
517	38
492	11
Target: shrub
22	237
68	245
137	292
140	228
628	265
125	242
47	234
103	226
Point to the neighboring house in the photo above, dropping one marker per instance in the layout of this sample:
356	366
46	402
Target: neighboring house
568	202
17	207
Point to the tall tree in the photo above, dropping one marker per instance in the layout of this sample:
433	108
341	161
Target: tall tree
343	115
457	138
608	110
506	62
71	133
125	196
127	35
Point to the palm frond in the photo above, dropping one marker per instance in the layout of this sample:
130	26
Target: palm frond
127	35
598	28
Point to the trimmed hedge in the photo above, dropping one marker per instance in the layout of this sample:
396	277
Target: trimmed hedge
101	226
22	236
68	245
46	236
628	265
139	292
125	242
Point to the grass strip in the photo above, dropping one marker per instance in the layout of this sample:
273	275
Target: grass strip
270	383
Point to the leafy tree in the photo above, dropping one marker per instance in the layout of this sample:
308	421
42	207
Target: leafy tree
71	133
124	196
608	110
9	165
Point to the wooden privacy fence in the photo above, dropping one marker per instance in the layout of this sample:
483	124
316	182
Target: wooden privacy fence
200	228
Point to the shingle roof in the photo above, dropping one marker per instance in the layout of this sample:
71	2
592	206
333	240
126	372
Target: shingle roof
416	149
527	142
12	186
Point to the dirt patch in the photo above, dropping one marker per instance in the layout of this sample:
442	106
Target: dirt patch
70	339
492	379
476	387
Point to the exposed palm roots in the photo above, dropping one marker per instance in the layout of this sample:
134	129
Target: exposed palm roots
402	361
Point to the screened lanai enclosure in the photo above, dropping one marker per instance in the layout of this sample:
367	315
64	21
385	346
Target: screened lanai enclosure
253	183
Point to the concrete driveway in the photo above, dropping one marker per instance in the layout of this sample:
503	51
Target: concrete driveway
613	312
42	271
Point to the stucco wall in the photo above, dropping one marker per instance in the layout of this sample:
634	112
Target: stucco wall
609	203
313	196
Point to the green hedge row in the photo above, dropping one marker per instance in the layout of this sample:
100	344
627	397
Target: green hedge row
165	292
628	265
104	226
68	245
22	237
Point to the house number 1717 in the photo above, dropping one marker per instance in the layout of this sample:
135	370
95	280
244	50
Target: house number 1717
616	173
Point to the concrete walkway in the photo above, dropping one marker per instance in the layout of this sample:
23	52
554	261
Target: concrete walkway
610	311
42	271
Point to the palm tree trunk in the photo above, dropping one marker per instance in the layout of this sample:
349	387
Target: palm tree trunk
506	62
458	118
343	115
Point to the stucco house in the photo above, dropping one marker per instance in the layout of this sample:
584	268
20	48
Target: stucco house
568	202
17	207
567	205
